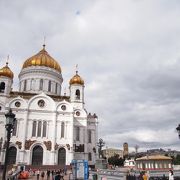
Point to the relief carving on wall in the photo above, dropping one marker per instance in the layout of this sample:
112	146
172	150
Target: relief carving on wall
94	149
19	144
5	145
68	146
56	146
28	144
48	145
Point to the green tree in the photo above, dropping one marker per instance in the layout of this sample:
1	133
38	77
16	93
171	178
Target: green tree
116	161
177	160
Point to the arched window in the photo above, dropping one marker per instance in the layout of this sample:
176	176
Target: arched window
39	129
2	86
37	155
49	86
15	128
41	84
77	133
89	136
62	130
77	94
32	84
62	157
56	88
89	157
44	128
34	129
25	84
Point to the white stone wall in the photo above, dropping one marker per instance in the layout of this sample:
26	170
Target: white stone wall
33	75
52	113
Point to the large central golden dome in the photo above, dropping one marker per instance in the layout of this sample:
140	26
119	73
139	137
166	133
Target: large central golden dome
42	59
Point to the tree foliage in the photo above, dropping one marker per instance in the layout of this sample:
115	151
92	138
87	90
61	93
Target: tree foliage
176	160
116	161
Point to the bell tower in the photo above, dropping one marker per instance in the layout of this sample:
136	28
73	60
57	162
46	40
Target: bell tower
77	90
6	80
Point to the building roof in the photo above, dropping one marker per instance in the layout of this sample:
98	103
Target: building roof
154	157
76	79
42	59
6	71
27	95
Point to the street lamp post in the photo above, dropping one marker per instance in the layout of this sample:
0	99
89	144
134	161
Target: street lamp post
10	120
178	130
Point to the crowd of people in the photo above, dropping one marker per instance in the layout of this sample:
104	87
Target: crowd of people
145	175
50	174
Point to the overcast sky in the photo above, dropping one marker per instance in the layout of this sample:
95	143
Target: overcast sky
127	51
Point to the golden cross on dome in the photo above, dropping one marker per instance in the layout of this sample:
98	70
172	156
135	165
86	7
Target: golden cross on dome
64	91
44	44
76	68
7	60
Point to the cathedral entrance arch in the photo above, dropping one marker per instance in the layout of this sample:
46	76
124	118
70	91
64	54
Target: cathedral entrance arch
12	155
62	157
37	155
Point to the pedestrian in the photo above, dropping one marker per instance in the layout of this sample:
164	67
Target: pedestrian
145	177
65	169
48	173
57	176
42	175
171	175
52	172
140	176
148	175
38	173
164	177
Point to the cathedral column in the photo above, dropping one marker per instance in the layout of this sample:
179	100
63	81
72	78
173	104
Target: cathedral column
72	138
54	134
24	131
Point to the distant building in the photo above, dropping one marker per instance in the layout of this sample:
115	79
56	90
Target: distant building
129	163
110	152
154	162
125	149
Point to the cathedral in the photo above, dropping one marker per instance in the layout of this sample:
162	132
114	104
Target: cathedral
50	128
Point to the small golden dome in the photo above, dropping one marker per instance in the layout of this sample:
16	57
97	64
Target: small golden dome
6	71
42	59
76	79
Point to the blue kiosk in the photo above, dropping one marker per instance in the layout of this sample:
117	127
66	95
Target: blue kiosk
80	169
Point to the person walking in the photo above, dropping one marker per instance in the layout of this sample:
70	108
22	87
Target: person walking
38	174
145	177
171	175
42	175
48	174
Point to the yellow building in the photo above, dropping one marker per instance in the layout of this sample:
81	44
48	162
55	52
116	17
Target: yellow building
110	152
154	162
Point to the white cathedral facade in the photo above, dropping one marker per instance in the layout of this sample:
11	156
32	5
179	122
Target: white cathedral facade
50	128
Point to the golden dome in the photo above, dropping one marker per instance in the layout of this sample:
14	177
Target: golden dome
6	71
42	59
76	79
